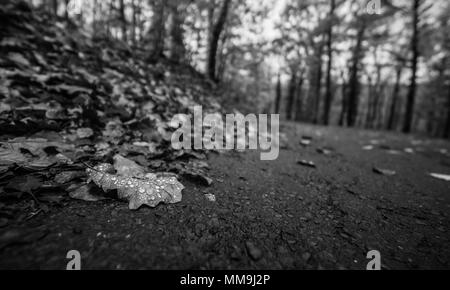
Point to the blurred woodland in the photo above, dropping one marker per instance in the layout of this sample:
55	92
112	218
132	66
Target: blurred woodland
372	64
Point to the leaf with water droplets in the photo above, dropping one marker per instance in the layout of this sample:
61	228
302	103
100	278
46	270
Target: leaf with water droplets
149	189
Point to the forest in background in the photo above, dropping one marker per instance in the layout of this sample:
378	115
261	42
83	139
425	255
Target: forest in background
372	64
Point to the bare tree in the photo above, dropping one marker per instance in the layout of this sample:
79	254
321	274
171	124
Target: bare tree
177	47
391	124
123	20
215	36
447	122
55	7
291	95
278	95
409	113
157	29
299	97
353	88
134	23
344	101
328	94
318	82
66	9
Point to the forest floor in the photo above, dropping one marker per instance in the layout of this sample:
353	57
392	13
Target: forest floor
69	103
269	214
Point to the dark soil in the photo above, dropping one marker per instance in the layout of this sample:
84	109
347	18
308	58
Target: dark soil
267	214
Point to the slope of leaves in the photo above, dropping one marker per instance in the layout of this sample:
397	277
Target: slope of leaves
68	102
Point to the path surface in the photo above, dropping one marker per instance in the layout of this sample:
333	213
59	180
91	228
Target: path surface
269	215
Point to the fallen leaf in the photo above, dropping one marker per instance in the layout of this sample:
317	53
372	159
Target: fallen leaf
150	189
73	89
85	192
127	167
386	172
83	133
39	164
368	147
307	163
67	176
210	197
10	156
324	151
445	177
305	141
18	59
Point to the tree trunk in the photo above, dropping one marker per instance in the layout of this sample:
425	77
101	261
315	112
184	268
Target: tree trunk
177	49
370	102
94	18
210	19
133	22
123	20
352	112
221	57
291	96
215	36
447	122
318	84
299	98
409	113
157	30
55	7
344	102
376	98
395	94
66	9
328	94
141	21
110	17
278	95
344	106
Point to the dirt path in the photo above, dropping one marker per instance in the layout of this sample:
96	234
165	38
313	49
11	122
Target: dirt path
269	215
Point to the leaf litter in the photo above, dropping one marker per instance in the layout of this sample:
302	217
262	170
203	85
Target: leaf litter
58	117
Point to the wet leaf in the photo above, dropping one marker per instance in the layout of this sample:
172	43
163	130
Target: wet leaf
149	189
